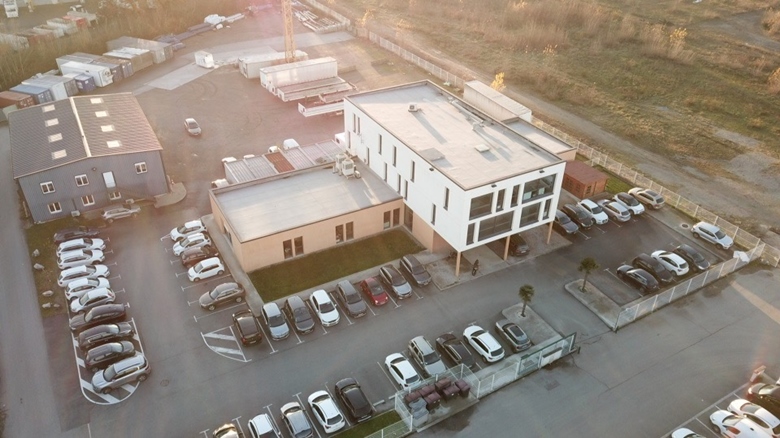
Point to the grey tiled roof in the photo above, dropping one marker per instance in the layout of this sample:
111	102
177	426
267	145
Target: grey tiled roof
85	126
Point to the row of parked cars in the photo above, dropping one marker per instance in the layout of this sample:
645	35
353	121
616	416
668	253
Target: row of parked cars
97	322
648	272
620	208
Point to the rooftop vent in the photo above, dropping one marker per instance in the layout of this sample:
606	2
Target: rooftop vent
413	107
62	153
482	148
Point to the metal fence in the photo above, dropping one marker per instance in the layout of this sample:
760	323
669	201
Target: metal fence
650	305
395	430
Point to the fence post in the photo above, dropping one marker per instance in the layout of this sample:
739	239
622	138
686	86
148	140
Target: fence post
479	388
704	282
688	288
517	370
696	212
655	301
617	321
721	269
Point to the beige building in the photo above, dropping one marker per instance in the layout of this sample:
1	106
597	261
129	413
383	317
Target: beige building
270	220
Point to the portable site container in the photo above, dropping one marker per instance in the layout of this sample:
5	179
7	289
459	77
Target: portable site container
72	57
161	51
85	15
15	41
298	72
116	70
125	66
39	94
80	22
84	83
69	26
68	84
35	38
102	75
120	68
12	98
139	60
57	32
250	65
57	89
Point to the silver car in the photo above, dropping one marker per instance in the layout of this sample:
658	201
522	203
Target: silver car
274	319
119	212
132	369
395	281
81	257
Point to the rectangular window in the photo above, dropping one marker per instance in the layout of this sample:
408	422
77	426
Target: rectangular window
368	157
385	172
81	180
546	212
350	231
530	215
339	233
515	196
115	195
387	220
288	252
354	122
358	126
496	225
47	187
87	200
399	185
299	240
538	188
380	144
481	205
395	155
433	215
470	234
446	198
412	178
500	200
55	207
406	190
396	217
140	167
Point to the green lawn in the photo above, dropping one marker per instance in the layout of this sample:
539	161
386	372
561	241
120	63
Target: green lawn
279	281
375	424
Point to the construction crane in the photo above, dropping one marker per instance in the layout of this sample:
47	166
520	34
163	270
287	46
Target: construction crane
289	35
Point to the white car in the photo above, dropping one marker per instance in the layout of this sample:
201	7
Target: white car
648	197
615	210
93	298
734	426
206	269
671	261
188	228
324	308
71	259
401	370
192	126
76	289
595	211
762	417
261	426
712	234
326	412
486	345
685	433
635	207
79	244
196	240
73	274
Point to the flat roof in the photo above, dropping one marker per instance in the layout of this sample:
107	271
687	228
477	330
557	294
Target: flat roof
464	144
299	157
539	137
266	207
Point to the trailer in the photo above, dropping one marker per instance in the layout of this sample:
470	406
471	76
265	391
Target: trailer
68	26
57	89
120	68
73	57
140	59
161	51
318	110
58	31
102	75
34	38
305	90
48	31
11	9
71	89
250	65
39	94
12	98
298	72
84	83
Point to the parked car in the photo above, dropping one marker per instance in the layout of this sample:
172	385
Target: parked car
71	259
639	278
103	333
647	197
206	269
484	343
401	370
195	240
685	433
672	262
326	412
766	396
74	233
579	215
351	396
615	210
653	266
712	234
374	291
75	289
415	270
564	224
518	245
299	314
324	308
247	327
629	202
97	315
595	210
514	335
128	370
261	426
733	426
104	355
351	300
694	258
274	319
119	212
755	413
93	298
228	430
79	272
454	349
426	357
222	294
295	420
190	257
84	243
188	228
395	281
192	127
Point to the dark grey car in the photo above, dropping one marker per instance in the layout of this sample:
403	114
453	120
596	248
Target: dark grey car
579	215
299	314
104	355
564	224
222	294
415	270
351	300
95	336
694	258
514	335
455	350
97	315
352	397
74	233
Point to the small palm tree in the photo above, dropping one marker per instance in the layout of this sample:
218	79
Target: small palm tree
526	294
587	265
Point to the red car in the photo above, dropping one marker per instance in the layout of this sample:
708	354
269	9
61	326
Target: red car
374	291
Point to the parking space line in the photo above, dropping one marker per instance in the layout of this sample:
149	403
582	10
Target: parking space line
370	308
219	336
303	407
346	420
216	312
341	306
271	415
268	339
296	335
117	277
107	397
391	299
392	382
205	433
165	237
419	297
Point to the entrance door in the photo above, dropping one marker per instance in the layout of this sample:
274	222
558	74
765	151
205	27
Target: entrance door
408	218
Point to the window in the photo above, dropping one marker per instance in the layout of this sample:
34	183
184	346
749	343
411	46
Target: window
412	171
380	144
500	200
140	167
87	200
47	187
546	211
395	155
529	215
538	188
433	215
354	122
55	207
358	126
339	233
399	185
406	190
385	172
446	198
515	195
350	231
288	251
115	195
81	180
396	217
496	225
470	234
481	205
368	157
299	240
387	220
